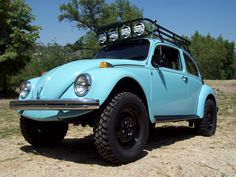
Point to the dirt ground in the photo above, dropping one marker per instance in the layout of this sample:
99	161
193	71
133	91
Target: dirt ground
172	150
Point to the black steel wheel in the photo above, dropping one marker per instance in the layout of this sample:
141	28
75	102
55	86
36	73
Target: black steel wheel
122	129
127	128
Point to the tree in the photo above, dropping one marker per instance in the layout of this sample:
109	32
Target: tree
91	14
215	56
17	38
45	58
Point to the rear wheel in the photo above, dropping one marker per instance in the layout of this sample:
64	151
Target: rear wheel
42	133
121	131
207	125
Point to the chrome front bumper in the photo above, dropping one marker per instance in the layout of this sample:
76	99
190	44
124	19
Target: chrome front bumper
75	104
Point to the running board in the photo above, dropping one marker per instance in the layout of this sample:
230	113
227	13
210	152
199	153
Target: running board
175	118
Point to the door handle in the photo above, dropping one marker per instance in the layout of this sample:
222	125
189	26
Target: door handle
185	79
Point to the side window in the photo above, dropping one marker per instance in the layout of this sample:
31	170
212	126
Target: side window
191	67
167	57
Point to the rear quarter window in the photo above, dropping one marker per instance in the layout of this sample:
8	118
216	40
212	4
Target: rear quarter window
191	66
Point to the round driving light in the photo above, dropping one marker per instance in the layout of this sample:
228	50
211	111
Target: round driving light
25	88
125	32
82	84
102	38
139	29
113	35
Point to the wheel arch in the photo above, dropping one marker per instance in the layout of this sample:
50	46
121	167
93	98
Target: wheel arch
211	97
205	93
129	84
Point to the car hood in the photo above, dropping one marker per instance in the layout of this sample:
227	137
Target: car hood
54	83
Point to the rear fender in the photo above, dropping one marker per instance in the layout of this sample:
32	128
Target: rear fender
205	93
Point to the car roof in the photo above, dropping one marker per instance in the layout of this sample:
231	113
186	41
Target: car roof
155	41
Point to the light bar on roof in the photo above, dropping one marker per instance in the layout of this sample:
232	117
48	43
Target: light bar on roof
121	32
139	28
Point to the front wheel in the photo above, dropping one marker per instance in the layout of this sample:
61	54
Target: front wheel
121	131
42	133
207	125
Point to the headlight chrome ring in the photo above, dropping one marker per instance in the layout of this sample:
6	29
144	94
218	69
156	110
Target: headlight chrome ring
82	84
25	88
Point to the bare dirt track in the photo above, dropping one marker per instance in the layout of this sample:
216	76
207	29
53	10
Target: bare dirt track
173	149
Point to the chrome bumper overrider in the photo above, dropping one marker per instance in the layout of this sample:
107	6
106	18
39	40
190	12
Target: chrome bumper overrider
73	104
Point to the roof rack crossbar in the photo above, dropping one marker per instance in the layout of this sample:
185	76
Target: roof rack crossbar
160	32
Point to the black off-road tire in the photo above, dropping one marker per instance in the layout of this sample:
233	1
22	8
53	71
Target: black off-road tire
42	133
207	125
121	131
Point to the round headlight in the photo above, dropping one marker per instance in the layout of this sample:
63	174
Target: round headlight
82	84
25	88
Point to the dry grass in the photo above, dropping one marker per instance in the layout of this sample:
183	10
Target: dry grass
226	96
9	121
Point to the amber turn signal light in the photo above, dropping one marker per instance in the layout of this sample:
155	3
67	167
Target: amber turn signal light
105	65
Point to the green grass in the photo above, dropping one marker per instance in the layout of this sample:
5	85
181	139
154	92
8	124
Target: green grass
9	123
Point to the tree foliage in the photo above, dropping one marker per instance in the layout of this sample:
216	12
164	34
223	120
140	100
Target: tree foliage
89	15
45	58
17	37
215	56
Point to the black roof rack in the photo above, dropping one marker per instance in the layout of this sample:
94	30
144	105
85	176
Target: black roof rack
113	32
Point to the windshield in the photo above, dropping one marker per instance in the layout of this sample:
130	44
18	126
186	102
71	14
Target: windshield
132	49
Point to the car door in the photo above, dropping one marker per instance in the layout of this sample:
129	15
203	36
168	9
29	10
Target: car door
195	82
170	84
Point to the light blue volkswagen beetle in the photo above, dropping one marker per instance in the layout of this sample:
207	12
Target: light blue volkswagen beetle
144	74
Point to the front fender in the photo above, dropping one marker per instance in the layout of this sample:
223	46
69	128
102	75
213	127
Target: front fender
105	79
204	93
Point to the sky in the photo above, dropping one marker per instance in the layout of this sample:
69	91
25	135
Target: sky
217	17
